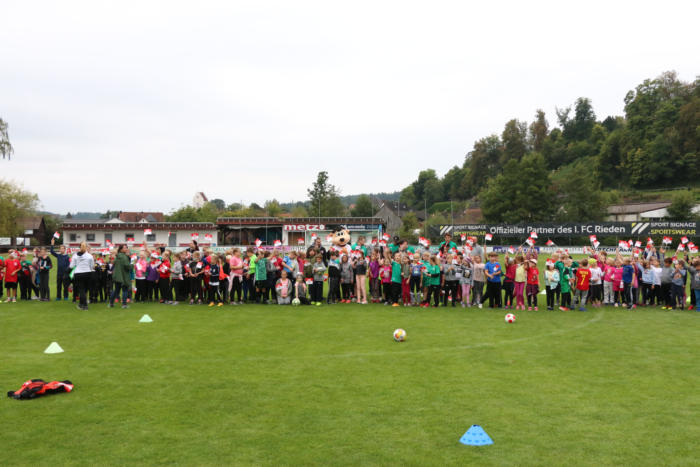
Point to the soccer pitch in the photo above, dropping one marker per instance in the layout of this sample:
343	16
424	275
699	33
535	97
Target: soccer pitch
268	384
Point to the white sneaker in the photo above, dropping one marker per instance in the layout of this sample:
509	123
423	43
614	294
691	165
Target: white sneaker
480	305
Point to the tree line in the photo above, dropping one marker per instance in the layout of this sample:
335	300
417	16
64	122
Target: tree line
534	172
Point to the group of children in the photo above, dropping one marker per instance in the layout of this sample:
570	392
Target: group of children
396	274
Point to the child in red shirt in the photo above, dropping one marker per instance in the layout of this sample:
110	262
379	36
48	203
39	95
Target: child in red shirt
583	280
12	268
533	283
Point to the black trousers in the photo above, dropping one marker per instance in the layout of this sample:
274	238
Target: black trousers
434	292
236	286
44	291
451	289
62	283
166	292
118	286
493	290
508	287
82	284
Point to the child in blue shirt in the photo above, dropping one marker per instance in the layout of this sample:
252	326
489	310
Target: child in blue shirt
493	273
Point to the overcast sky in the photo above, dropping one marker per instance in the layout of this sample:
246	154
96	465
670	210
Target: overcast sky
137	105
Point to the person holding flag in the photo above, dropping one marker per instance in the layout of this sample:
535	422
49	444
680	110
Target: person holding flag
62	269
447	242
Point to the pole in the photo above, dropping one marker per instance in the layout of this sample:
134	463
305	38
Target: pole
452	217
425	213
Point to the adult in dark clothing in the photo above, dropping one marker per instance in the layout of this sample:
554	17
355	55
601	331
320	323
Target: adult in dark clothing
121	276
319	249
62	270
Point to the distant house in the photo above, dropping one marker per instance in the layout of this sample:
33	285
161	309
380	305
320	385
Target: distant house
199	199
391	213
129	216
633	212
32	227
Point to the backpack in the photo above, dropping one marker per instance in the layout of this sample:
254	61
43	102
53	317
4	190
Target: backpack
38	387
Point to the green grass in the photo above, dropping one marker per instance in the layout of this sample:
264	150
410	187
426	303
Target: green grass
269	385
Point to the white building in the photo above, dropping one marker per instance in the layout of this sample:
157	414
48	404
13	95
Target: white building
175	235
199	200
635	212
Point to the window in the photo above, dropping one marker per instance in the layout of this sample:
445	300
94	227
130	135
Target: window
90	237
108	237
172	240
127	236
73	238
151	238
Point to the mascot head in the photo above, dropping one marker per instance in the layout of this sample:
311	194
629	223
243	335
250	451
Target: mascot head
340	236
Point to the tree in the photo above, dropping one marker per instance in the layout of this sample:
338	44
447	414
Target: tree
218	204
539	130
5	146
273	208
363	207
681	207
579	193
324	199
408	227
484	161
521	193
514	141
300	211
15	203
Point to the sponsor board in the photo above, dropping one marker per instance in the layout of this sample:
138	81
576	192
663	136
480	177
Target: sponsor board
634	229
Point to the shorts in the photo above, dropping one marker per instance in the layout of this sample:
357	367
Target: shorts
10	285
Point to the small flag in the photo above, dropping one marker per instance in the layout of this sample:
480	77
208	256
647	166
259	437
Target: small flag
208	237
313	235
300	241
277	243
637	244
130	240
329	237
382	242
684	240
258	242
549	243
108	243
488	237
692	248
194	236
593	238
374	241
463	237
667	240
596	244
533	234
680	247
511	250
147	231
169	234
530	241
386	237
56	235
422	241
623	244
649	241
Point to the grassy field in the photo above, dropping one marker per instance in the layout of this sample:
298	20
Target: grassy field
269	385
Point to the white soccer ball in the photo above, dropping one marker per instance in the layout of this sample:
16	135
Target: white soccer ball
399	335
510	318
296	302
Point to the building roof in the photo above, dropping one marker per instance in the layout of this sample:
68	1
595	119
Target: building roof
30	222
636	208
133	216
204	197
278	221
103	225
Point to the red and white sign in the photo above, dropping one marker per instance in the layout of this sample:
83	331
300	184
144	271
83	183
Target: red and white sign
194	236
300	241
303	227
147	231
208	237
130	240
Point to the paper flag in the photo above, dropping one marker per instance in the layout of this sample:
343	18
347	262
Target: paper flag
488	237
